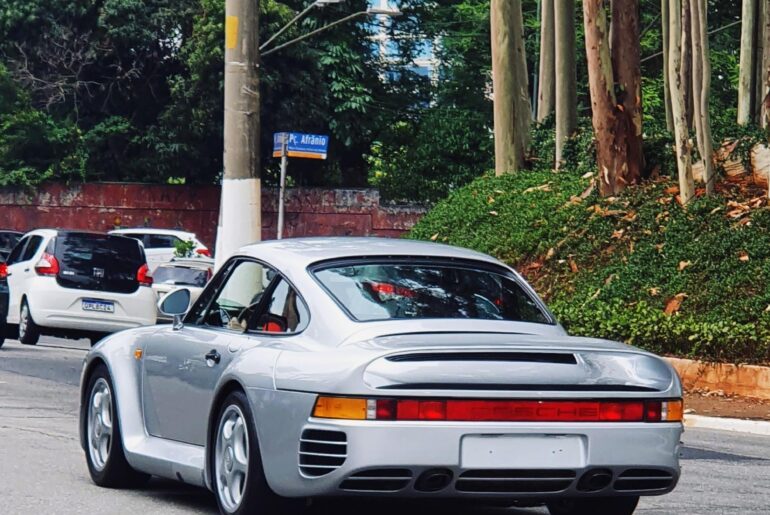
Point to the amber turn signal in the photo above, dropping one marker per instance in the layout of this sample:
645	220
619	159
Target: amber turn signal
340	408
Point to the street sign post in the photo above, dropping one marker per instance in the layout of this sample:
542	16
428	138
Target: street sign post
295	144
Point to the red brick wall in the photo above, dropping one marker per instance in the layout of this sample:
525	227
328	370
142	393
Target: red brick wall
105	206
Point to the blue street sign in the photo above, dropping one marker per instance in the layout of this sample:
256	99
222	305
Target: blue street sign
308	146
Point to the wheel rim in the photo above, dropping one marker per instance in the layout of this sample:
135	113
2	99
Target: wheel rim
100	424
232	458
23	320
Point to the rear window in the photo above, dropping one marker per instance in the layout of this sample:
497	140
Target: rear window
383	291
98	262
183	276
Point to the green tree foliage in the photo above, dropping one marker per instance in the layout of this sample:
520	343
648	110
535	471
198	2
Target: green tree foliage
134	88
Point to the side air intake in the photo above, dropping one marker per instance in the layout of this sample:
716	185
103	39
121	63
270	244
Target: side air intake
321	452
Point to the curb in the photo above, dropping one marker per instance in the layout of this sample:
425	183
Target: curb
754	427
745	380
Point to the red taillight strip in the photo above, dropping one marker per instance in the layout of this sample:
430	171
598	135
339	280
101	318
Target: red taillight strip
493	410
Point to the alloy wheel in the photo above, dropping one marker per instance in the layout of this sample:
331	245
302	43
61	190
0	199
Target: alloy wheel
100	424
232	458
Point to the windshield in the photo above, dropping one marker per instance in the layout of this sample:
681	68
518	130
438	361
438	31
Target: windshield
178	275
382	291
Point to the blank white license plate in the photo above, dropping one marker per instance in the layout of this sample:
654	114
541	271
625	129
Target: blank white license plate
524	451
102	306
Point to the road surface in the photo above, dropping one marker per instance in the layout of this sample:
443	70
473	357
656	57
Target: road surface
42	468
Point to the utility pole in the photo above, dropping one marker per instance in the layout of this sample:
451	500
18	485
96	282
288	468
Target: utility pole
240	214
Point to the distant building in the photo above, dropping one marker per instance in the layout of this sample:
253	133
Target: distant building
424	63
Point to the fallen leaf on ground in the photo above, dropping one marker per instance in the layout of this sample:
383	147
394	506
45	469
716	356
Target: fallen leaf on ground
588	175
490	200
684	264
618	234
434	237
672	190
674	303
743	256
550	254
573	266
654	291
493	213
542	187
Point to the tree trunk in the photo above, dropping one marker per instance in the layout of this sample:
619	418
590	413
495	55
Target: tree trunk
764	85
666	82
747	73
759	70
678	105
546	95
628	80
566	74
524	108
609	131
687	62
507	79
702	88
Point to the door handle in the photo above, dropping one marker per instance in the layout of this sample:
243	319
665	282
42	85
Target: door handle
26	269
213	358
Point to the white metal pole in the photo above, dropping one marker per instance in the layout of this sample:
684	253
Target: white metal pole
282	188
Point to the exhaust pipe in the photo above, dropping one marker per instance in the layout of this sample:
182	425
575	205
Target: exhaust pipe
595	480
433	480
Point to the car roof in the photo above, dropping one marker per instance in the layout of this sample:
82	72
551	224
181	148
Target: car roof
11	231
303	252
150	230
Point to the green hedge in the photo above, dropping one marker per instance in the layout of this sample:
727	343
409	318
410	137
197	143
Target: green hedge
610	267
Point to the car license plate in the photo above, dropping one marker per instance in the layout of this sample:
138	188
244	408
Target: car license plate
102	306
523	451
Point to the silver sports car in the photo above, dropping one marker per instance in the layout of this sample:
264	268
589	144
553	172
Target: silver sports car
371	367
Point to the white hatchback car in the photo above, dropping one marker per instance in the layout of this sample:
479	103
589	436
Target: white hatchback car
77	284
160	244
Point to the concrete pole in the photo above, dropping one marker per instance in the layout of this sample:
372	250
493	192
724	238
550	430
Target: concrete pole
240	215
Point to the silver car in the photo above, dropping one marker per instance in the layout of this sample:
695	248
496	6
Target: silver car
370	367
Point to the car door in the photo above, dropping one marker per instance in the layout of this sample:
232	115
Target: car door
181	368
21	268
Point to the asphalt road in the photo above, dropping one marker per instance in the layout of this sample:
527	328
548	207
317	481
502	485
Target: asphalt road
42	468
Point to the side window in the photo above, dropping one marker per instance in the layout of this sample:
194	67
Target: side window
161	241
285	313
32	247
138	237
235	304
15	255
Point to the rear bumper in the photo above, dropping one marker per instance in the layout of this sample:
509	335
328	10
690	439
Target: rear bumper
388	458
54	307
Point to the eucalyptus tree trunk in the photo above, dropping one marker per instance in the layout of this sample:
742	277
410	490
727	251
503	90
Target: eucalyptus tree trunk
546	95
759	61
628	80
764	83
747	72
687	62
678	106
509	77
566	74
666	83
701	88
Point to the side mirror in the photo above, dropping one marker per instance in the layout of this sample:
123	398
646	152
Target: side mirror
175	304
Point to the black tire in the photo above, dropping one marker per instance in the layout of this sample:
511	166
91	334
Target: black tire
257	495
95	338
29	332
115	472
3	331
594	506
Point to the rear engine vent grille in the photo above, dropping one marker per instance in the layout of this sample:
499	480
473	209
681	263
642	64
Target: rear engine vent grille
509	357
635	480
378	480
515	481
321	452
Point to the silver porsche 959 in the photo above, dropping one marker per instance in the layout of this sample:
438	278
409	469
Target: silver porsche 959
370	367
